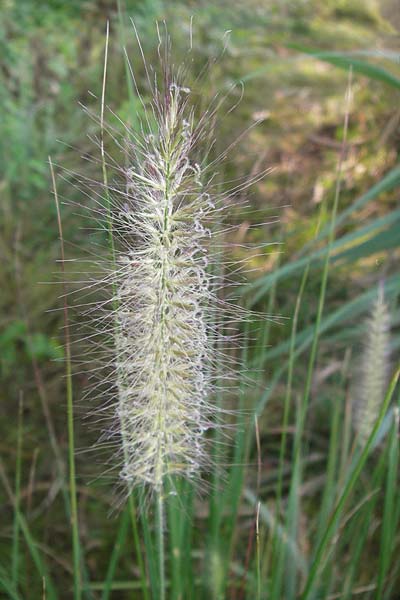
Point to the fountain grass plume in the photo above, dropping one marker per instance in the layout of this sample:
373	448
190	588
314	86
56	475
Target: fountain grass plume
373	374
164	322
162	294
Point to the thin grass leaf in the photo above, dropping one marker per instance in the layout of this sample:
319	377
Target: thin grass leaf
8	586
76	547
389	522
271	522
29	540
389	182
354	475
278	547
355	531
349	311
346	61
364	241
17	493
118	546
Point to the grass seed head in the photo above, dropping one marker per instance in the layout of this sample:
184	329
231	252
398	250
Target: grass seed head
162	295
373	371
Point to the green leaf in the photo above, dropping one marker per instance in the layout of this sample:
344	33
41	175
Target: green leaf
345	60
261	286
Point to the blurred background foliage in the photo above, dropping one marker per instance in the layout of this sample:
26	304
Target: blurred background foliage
293	58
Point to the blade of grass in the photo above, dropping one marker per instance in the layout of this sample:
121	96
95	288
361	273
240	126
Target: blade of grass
363	241
240	450
17	492
330	483
349	311
294	496
331	468
8	586
175	522
132	507
354	531
30	542
217	454
119	542
389	522
131	499
76	549
354	475
160	531
346	61
388	183
258	553
267	517
354	534
279	550
149	545
179	505
346	430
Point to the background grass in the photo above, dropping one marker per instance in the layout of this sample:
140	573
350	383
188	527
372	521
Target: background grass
295	509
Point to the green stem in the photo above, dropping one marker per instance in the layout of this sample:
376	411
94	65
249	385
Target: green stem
136	540
160	544
15	546
279	551
131	500
258	552
325	272
70	412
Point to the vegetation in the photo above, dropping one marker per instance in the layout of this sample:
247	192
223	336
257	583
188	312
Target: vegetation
297	505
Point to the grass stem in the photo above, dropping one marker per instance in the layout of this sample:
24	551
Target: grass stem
131	499
160	543
70	411
15	546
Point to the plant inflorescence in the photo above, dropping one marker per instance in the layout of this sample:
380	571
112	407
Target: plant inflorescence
373	373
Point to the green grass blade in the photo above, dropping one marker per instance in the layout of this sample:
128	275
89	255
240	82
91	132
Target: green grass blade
329	491
179	503
29	540
364	241
346	61
76	548
240	451
278	548
150	549
15	544
132	504
355	532
8	586
388	183
349	311
389	521
355	473
267	517
119	542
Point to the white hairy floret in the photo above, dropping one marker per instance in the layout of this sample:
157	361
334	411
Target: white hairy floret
162	295
374	370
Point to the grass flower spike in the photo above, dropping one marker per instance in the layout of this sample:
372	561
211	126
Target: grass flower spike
162	295
374	369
